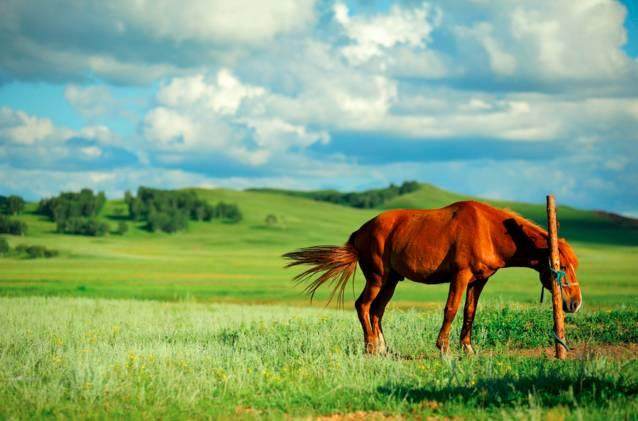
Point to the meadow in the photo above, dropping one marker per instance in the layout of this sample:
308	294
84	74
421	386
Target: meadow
99	358
207	323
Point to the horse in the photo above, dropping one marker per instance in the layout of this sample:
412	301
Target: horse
464	244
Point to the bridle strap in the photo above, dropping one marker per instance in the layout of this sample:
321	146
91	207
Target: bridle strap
561	279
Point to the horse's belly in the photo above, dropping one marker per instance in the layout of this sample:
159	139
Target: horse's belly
424	266
430	278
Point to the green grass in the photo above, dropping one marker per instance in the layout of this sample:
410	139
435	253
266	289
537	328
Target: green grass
241	262
96	358
178	346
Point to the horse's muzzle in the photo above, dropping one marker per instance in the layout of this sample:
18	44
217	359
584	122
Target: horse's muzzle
572	306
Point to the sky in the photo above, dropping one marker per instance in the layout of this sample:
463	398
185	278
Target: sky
500	99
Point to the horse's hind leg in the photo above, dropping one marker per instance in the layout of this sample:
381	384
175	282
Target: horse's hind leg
363	304
378	308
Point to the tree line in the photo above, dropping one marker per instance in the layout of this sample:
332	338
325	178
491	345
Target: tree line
364	200
11	205
76	213
170	210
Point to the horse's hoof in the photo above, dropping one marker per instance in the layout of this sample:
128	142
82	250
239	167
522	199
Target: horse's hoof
444	348
467	348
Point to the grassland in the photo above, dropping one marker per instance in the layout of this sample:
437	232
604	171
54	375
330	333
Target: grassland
97	358
150	325
241	262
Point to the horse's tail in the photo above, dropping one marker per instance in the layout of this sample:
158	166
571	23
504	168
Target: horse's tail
333	264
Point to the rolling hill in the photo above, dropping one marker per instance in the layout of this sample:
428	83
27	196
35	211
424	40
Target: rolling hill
241	262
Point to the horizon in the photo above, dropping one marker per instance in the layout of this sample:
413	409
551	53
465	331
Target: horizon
257	189
476	98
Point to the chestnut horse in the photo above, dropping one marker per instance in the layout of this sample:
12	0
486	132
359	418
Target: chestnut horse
464	244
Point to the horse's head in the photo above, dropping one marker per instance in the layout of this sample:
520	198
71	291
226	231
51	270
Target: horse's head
569	286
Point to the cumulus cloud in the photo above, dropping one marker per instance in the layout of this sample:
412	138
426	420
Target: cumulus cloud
90	101
18	127
136	42
218	114
36	143
550	45
371	35
274	90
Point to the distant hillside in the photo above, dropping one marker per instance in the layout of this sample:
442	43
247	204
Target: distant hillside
242	261
367	199
577	225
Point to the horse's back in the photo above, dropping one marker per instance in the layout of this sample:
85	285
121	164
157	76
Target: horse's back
424	245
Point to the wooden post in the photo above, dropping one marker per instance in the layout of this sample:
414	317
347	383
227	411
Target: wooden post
554	258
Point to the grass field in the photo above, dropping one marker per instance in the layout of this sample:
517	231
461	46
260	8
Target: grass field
96	358
241	262
151	325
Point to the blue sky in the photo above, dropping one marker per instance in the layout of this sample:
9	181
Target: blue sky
492	98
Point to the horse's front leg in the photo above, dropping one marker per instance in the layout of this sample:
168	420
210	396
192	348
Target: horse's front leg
471	301
457	288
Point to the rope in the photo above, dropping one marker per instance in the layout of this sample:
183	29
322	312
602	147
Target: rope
560	275
562	342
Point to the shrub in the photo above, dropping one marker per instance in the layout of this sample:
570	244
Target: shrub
12	226
48	253
122	228
35	251
170	221
5	248
271	220
228	212
83	226
21	249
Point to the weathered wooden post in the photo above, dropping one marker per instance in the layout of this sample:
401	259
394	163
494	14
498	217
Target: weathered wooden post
554	261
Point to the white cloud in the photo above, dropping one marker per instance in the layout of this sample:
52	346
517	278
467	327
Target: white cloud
20	128
372	35
529	71
550	42
218	20
221	115
90	101
501	62
137	42
168	127
222	96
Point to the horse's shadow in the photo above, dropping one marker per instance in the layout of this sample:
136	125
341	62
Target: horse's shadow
550	389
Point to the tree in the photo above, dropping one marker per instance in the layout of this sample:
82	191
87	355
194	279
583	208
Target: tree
122	228
11	205
12	226
83	226
5	248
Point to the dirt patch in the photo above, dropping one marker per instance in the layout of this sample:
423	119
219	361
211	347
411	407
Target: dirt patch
379	416
358	416
585	351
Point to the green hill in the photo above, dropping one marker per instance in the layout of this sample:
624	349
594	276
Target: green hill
241	262
575	224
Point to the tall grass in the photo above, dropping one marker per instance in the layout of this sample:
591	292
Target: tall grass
95	358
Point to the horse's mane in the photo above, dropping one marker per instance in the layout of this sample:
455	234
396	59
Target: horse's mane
567	254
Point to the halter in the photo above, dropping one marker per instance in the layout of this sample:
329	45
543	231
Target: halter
561	280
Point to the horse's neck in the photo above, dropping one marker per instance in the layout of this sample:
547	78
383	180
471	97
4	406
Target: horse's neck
530	255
